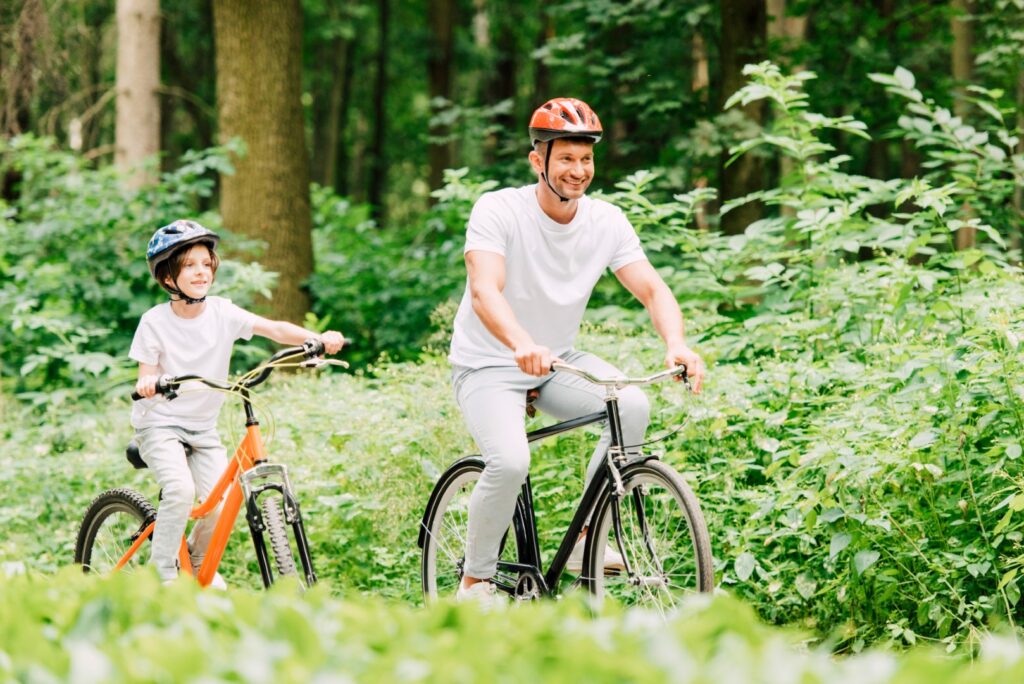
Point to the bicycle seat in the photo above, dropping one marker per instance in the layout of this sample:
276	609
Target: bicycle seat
135	458
532	395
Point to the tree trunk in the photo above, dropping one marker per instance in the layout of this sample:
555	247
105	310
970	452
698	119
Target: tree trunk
18	60
789	32
378	166
1018	192
330	124
342	183
962	63
439	74
259	63
700	80
542	74
137	133
742	42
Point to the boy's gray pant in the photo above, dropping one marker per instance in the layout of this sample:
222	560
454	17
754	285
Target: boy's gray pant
493	402
182	479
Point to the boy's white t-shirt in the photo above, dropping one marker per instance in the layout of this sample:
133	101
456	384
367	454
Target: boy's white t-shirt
550	269
188	346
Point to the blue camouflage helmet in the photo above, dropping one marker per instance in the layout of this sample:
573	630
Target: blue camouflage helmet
167	239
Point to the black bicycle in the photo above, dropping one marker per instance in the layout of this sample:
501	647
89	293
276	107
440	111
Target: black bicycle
641	506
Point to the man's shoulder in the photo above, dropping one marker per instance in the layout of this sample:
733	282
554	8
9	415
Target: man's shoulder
600	208
505	196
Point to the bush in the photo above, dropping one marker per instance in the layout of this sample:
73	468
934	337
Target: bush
73	275
860	448
76	628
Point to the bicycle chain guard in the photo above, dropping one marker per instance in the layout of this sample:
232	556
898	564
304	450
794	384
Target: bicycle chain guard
529	586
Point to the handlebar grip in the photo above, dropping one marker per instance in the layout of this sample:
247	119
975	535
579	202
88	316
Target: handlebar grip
313	347
163	386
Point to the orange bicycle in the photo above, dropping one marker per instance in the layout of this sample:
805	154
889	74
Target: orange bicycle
120	521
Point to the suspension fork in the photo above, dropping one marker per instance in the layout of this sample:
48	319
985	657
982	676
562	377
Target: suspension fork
256	481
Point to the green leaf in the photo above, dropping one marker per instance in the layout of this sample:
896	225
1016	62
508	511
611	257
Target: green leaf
904	78
840	541
923	439
864	560
806	585
744	565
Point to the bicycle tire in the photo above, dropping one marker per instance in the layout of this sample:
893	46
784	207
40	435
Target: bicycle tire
664	537
100	545
445	522
277	530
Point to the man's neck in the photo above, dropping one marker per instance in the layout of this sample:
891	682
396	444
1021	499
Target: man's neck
553	206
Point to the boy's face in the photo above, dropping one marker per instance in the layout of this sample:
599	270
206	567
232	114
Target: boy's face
196	274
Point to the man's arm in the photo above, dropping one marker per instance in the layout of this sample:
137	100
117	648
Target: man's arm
646	285
486	284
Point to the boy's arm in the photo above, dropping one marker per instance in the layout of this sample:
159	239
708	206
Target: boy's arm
284	332
148	376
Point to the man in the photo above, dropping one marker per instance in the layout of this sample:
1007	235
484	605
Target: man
533	255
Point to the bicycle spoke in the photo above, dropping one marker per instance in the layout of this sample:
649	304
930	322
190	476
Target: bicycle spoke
656	539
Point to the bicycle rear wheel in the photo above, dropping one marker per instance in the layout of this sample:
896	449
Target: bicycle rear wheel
661	534
444	531
114	521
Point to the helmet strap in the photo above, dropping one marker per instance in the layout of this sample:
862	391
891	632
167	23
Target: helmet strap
181	296
547	159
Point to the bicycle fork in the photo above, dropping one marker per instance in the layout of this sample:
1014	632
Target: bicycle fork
615	459
274	477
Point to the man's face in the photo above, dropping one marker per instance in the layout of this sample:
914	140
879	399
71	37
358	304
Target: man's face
570	169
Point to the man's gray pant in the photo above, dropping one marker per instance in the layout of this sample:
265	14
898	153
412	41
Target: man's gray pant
493	402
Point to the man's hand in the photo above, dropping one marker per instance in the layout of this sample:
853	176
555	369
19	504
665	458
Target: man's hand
146	385
534	359
332	341
681	354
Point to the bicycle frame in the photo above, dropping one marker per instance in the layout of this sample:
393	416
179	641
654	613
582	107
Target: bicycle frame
234	488
602	479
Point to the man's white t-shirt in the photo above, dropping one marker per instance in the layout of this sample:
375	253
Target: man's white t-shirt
188	346
550	269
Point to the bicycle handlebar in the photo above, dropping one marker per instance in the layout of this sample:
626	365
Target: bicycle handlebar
620	382
168	385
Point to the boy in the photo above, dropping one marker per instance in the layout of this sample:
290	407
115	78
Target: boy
191	334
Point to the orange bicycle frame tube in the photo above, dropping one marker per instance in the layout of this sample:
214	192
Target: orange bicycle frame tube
250	452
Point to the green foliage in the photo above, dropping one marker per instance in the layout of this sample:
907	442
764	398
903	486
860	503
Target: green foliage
73	628
381	286
858	450
73	274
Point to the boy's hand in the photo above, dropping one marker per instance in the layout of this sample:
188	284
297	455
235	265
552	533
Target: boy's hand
332	341
146	385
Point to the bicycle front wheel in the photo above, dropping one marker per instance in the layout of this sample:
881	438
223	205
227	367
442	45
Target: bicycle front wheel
277	530
658	528
445	527
114	521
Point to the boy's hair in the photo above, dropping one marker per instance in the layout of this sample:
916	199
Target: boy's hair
171	266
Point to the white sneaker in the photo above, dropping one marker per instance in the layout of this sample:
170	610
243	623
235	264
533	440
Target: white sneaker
218	582
613	562
483	593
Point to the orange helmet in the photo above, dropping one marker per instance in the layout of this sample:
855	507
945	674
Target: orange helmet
564	117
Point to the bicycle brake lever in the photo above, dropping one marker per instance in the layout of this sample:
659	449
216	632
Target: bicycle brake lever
319	362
